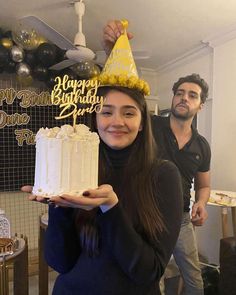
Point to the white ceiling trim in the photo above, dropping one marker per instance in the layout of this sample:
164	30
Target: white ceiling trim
190	55
221	37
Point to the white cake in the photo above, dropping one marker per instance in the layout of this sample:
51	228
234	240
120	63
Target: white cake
66	160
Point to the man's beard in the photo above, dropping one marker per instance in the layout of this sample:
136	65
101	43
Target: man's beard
183	117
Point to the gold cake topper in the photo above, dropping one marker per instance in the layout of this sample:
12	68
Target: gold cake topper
76	97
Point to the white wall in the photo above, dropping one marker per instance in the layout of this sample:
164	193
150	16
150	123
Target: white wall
224	118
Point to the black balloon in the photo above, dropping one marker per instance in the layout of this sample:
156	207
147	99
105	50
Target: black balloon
50	82
40	72
4	56
46	54
1	33
72	75
60	54
10	67
7	34
30	58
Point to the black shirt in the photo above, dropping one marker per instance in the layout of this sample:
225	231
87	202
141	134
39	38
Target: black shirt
192	158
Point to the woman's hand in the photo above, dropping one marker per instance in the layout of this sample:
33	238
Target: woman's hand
28	189
103	197
111	33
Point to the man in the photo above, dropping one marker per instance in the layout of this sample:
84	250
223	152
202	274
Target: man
181	143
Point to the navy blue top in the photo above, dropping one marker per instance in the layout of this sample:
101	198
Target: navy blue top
127	263
194	157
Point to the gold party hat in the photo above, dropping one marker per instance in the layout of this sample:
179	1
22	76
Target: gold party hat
120	68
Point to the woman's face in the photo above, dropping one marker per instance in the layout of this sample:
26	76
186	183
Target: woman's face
119	121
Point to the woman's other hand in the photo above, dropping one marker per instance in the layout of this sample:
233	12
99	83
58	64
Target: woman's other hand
103	197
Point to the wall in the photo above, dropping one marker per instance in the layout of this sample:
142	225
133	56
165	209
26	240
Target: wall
223	117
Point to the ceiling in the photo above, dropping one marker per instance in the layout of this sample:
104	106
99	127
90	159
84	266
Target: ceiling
165	28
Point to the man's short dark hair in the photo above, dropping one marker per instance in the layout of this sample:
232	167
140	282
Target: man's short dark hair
194	78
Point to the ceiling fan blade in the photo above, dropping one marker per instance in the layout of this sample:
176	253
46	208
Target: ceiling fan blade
48	32
101	56
63	64
141	54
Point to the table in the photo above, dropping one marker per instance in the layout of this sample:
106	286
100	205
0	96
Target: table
226	200
19	261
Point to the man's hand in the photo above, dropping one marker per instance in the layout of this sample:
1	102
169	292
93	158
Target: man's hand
111	32
199	214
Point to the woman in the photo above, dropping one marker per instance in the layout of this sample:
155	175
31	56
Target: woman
122	244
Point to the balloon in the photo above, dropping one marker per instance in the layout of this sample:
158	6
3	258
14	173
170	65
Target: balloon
40	72
41	40
22	69
7	34
30	58
72	75
60	54
24	80
4	56
83	69
46	54
25	37
17	54
95	71
10	67
6	42
1	33
51	79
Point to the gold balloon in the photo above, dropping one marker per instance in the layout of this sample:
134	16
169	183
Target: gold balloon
26	37
41	40
24	80
86	69
6	42
95	71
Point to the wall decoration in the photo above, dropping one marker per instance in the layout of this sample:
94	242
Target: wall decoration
30	56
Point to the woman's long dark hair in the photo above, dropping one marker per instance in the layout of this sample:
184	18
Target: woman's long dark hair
138	191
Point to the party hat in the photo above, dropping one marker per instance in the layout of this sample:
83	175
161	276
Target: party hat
120	68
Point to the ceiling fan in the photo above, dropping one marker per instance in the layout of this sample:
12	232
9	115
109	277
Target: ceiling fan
77	51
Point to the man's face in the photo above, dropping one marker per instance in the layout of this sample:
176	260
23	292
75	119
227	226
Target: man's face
187	101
